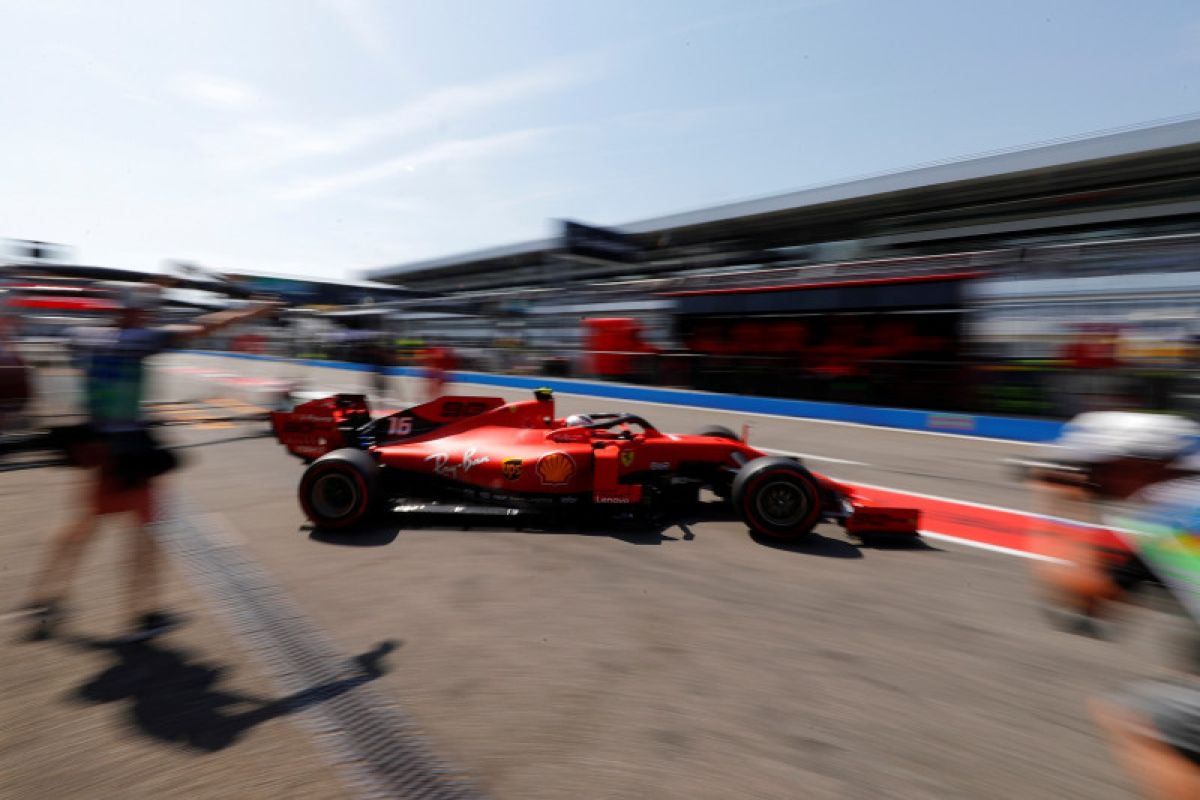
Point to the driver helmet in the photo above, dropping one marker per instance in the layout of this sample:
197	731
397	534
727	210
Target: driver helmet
576	420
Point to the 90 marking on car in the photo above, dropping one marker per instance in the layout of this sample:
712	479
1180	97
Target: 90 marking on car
453	409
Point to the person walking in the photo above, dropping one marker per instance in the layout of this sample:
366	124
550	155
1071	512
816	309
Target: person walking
121	457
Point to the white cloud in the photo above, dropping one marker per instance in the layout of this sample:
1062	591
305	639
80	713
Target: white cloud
453	151
365	25
261	145
214	91
88	65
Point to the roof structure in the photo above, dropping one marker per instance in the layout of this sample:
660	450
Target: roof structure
1115	178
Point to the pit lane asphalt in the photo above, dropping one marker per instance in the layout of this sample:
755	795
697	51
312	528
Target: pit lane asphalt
635	664
555	664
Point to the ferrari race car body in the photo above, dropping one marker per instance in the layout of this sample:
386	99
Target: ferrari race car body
482	455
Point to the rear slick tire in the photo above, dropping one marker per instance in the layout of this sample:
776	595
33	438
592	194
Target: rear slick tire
777	497
337	491
718	432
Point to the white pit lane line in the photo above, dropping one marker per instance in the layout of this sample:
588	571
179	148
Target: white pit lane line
812	456
993	548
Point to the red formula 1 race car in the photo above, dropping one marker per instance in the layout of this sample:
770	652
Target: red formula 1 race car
480	455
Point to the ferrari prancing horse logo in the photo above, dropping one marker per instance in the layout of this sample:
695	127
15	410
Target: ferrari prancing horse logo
626	458
555	469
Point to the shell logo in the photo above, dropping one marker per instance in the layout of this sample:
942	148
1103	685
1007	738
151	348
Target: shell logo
555	468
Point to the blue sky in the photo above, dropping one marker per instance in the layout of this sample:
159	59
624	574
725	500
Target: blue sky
323	137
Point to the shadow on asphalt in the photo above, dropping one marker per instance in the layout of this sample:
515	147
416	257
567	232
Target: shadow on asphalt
815	544
642	532
179	700
885	542
375	536
384	534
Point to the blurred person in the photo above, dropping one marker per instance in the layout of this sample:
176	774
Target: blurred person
1138	473
1101	461
379	356
15	379
438	362
1154	730
1092	356
121	457
1094	347
1154	727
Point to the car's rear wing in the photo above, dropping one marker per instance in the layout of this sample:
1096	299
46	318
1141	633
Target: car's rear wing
317	427
312	429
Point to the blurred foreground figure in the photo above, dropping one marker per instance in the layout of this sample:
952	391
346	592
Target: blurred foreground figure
1131	471
1102	459
1154	727
121	457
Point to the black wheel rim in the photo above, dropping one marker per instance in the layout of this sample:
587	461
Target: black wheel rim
781	503
334	495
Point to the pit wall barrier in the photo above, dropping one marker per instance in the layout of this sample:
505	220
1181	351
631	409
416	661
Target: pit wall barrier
1007	428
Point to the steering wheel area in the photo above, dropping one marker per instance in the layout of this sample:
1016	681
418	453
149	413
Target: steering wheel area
604	423
610	426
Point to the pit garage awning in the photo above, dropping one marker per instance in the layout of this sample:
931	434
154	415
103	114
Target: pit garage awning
936	291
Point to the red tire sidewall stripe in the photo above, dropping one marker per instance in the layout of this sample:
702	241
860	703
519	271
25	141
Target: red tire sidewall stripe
749	490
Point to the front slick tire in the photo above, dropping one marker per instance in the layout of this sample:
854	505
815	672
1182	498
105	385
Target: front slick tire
337	491
777	497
